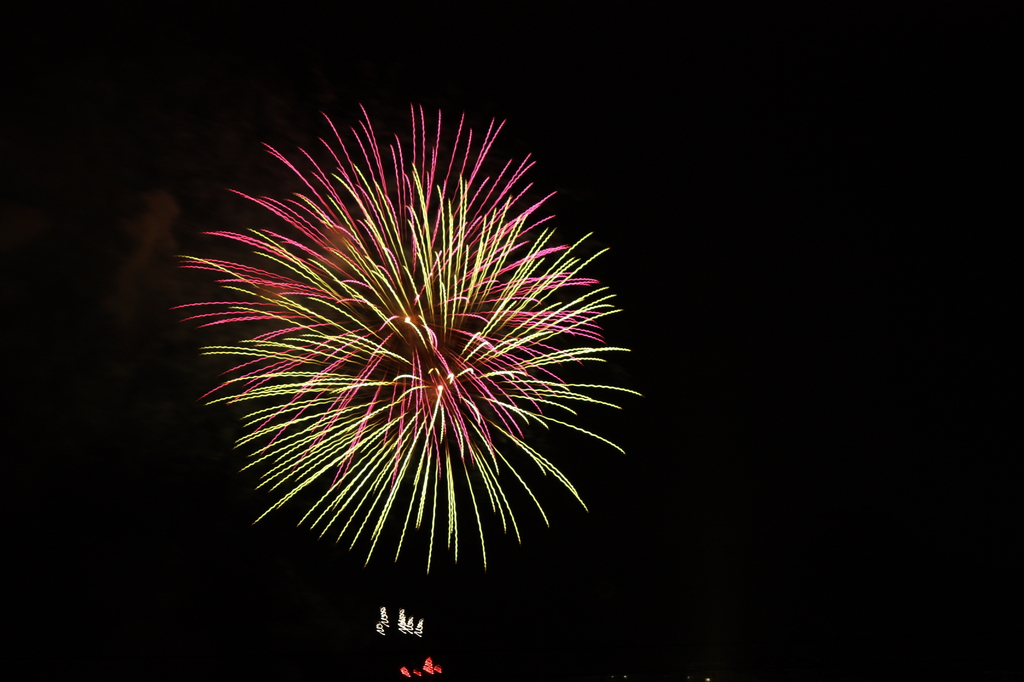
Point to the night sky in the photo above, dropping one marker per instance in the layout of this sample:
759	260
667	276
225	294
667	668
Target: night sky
813	219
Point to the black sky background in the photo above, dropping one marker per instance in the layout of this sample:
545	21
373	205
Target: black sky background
813	220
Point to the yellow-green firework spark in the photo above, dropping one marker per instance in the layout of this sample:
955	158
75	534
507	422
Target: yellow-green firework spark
417	316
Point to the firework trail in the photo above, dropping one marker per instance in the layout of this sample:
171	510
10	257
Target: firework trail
416	319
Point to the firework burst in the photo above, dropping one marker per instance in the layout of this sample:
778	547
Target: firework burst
416	317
